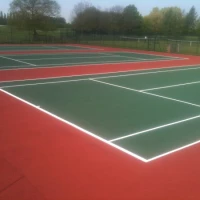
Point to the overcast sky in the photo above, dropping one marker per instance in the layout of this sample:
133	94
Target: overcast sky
144	6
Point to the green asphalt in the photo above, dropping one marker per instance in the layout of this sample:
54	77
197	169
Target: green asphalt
37	47
112	112
70	59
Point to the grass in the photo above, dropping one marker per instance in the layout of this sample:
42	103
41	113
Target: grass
13	35
160	45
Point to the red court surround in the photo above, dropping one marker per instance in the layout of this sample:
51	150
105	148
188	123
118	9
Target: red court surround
42	158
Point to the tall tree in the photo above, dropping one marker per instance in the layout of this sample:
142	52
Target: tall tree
115	20
33	14
87	21
154	21
172	23
132	20
191	21
117	9
80	8
1	18
198	28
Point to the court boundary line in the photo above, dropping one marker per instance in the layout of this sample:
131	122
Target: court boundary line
96	136
4	57
173	151
65	65
76	80
129	51
169	152
102	56
113	53
53	46
171	86
84	64
59	47
59	53
156	55
123	50
154	72
85	47
127	71
77	127
155	128
108	56
44	83
142	92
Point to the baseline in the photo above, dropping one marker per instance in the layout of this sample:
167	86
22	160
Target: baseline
75	126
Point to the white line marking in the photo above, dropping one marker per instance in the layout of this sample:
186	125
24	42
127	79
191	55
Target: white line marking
108	56
77	64
44	83
171	86
113	54
68	64
51	47
137	58
155	128
67	81
127	71
77	127
130	52
153	54
114	85
84	47
163	97
16	60
54	54
61	47
155	72
173	151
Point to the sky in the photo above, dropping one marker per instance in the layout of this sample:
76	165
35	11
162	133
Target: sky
144	6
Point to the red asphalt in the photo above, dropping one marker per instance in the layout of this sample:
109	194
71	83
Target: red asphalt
42	158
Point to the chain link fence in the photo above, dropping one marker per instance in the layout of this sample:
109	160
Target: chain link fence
11	35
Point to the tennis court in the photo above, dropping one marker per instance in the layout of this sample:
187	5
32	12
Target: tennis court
39	47
75	118
19	61
147	114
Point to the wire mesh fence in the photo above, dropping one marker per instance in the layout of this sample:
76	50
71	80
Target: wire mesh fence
11	35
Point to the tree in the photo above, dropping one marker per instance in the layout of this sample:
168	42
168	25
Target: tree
198	28
3	18
117	9
132	20
33	14
80	8
146	25
104	22
172	22
154	21
87	21
115	20
191	21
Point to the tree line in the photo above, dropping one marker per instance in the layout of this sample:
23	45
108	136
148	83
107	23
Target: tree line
170	21
33	15
3	18
44	15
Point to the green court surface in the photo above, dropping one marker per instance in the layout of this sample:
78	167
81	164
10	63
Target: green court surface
147	114
39	47
20	61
